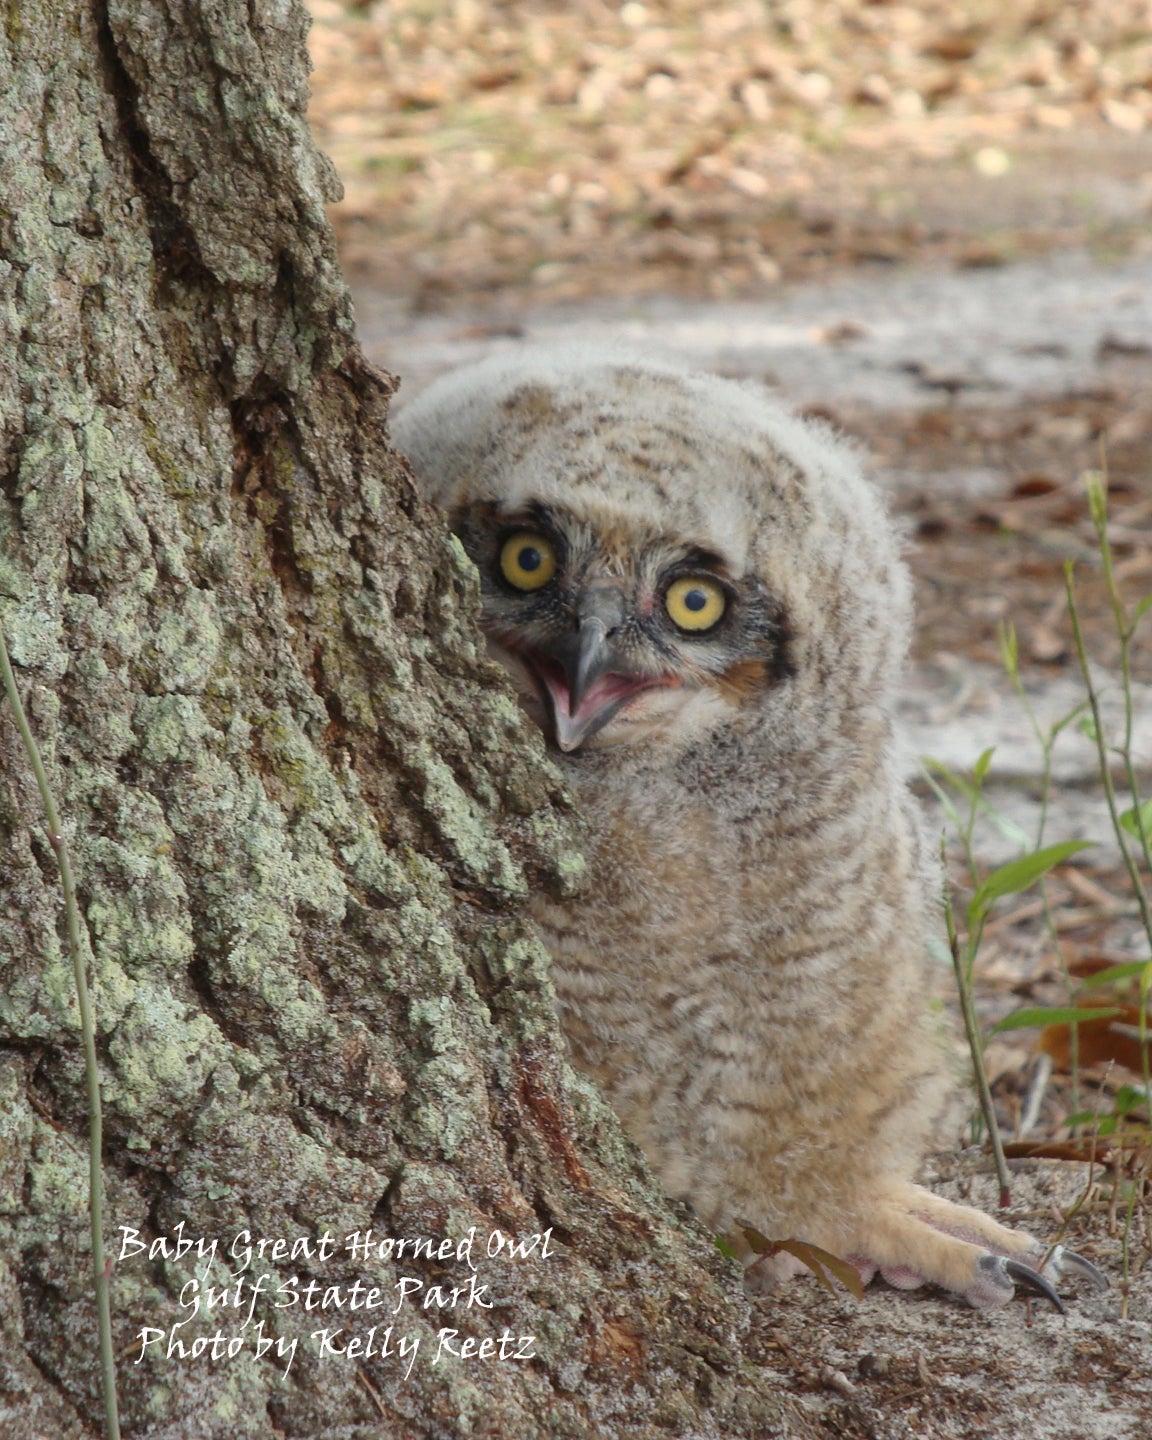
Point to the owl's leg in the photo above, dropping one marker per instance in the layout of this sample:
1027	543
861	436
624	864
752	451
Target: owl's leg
911	1237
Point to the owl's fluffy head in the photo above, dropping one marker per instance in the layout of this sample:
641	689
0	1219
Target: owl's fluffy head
662	552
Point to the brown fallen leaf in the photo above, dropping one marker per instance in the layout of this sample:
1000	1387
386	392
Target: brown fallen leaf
822	1263
1116	1039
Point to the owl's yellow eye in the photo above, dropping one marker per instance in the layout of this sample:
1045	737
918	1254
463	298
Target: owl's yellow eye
695	602
527	560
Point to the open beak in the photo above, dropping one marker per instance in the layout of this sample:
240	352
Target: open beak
584	676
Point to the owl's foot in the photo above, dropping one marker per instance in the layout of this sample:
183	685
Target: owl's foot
998	1277
912	1237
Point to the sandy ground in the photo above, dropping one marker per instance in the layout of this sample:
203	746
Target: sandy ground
909	1363
932	225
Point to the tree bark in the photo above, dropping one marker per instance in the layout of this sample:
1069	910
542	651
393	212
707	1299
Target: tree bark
304	814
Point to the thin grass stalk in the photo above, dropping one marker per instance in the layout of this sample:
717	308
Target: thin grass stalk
976	1049
1102	756
1110	796
1126	1243
965	967
1047	742
1125	629
100	1269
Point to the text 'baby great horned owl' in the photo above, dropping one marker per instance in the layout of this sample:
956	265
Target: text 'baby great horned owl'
700	599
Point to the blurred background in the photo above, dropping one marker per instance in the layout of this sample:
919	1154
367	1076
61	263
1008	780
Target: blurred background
714	149
929	223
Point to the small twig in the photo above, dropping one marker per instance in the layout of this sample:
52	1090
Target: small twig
1077	917
1089	890
362	1376
1017	917
1036	1093
101	1269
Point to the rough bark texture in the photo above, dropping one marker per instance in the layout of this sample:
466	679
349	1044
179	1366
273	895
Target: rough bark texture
303	810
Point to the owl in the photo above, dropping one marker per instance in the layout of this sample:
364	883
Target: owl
700	599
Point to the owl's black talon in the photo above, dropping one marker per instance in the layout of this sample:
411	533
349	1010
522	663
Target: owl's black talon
1071	1260
1028	1278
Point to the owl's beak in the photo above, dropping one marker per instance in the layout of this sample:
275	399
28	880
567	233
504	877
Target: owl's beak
584	662
587	681
586	653
591	657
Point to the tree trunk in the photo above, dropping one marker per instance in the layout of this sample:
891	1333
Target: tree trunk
304	814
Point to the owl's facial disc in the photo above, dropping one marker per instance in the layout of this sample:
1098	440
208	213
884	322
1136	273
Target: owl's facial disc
615	638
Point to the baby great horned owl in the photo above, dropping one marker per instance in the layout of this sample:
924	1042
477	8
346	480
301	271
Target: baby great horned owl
700	599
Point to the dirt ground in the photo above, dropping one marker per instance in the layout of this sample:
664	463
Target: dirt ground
515	169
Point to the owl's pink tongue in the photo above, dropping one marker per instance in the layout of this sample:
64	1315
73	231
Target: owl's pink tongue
604	699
